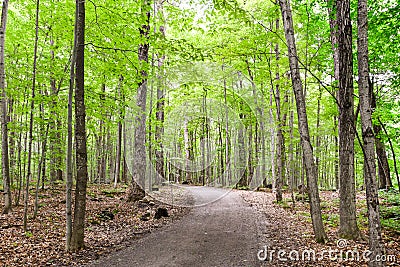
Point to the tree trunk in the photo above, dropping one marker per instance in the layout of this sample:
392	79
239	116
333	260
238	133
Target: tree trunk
280	148
311	169
291	164
4	118
336	155
385	181
348	224
159	153
227	175
272	133
69	179
160	124
374	223
136	191
119	137
29	173
187	149
55	134
241	165
317	135
393	153
77	236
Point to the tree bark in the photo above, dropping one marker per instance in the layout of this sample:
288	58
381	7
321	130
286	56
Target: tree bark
29	173
69	179
393	153
119	137
55	134
280	148
159	153
348	225
374	223
136	191
385	181
311	169
4	118
77	236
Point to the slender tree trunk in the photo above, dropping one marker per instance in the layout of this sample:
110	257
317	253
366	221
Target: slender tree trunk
29	173
77	235
374	223
159	131
393	153
160	122
250	165
11	140
317	136
385	181
348	224
291	164
136	191
4	118
68	201
280	148
334	43
241	165
204	177
311	170
336	155
272	133
227	175
119	137
187	149
55	134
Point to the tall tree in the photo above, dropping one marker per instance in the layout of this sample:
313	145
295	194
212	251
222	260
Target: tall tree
77	236
4	118
29	173
348	224
160	171
136	191
69	180
119	135
374	223
280	148
311	168
160	121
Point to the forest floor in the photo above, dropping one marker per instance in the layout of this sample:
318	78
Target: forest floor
289	229
237	230
44	242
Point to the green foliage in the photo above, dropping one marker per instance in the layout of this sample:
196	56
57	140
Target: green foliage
331	219
28	234
112	192
285	204
390	210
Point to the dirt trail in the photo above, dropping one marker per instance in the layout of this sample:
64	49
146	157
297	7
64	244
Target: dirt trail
221	230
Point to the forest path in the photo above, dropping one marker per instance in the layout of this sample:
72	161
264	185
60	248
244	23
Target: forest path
221	230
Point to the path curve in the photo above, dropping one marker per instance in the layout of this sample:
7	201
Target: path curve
224	232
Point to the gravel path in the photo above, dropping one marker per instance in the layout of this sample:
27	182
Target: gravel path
221	230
